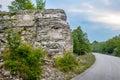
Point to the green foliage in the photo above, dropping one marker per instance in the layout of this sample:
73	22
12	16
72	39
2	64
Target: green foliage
71	63
13	38
81	43
22	59
0	6
86	60
111	46
117	52
26	5
66	63
40	4
21	5
98	47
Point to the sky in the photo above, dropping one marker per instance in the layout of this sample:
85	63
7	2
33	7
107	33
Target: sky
100	19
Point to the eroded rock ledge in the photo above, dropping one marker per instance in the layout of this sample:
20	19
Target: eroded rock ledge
47	27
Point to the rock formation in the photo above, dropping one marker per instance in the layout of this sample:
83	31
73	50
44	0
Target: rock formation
47	27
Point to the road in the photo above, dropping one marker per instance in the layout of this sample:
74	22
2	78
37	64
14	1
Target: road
105	68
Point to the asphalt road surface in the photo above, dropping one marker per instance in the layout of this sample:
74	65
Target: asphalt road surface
105	68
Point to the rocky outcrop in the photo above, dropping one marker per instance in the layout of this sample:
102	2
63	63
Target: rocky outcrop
47	27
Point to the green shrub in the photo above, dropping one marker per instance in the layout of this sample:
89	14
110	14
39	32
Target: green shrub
13	38
85	62
25	61
22	59
66	63
117	52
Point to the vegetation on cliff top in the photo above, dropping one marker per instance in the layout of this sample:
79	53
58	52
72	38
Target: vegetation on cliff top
26	5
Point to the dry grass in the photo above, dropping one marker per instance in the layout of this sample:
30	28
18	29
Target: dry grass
83	63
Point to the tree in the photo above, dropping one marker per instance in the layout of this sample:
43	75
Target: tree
117	48
26	5
40	4
21	5
0	6
111	46
95	41
99	47
81	43
76	44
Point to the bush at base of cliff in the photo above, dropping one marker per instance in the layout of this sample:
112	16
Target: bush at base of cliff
72	64
66	63
22	59
24	62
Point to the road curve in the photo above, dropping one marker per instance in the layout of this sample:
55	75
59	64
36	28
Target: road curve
105	68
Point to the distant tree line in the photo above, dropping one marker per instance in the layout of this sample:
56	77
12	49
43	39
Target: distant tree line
111	46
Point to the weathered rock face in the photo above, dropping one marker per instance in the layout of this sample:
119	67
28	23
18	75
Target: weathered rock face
47	27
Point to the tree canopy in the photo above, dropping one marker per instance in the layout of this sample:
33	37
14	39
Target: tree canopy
26	5
0	6
21	5
40	4
111	46
81	43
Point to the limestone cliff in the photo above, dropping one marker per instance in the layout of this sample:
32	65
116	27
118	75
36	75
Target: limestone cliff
46	27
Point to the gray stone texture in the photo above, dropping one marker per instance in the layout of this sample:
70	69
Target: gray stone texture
46	27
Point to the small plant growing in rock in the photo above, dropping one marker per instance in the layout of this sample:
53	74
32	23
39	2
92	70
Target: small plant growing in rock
13	38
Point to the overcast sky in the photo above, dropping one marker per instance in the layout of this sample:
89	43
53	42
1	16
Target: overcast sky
100	19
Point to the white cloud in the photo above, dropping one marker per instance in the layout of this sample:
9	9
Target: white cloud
110	18
107	2
87	5
83	8
5	4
